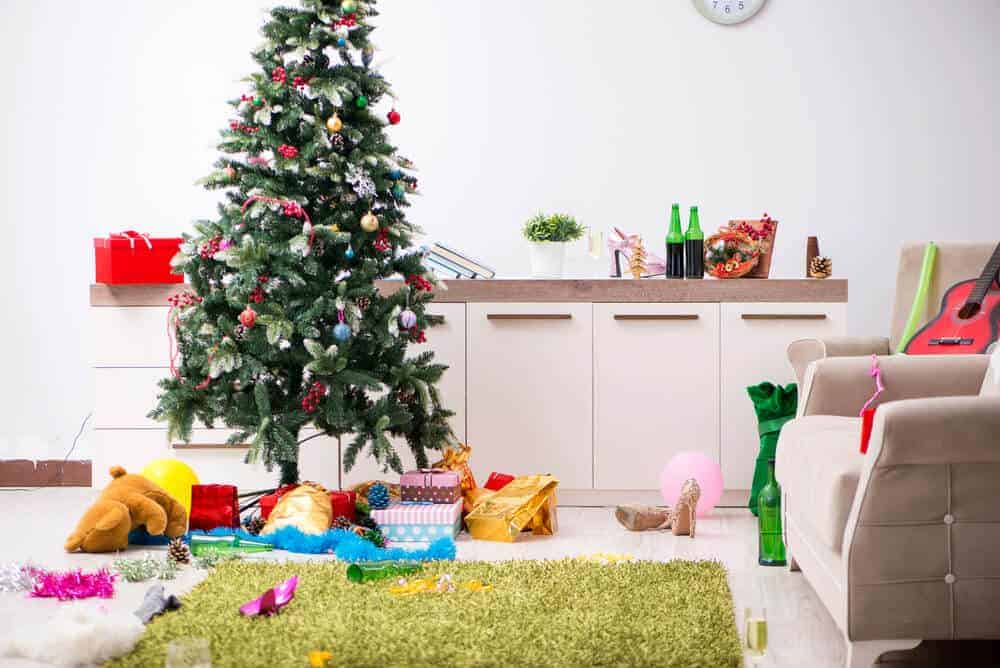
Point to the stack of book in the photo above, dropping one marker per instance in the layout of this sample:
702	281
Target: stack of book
448	263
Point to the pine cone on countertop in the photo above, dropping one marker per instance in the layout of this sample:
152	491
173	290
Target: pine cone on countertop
821	267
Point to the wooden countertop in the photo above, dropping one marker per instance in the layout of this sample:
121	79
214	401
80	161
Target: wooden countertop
566	290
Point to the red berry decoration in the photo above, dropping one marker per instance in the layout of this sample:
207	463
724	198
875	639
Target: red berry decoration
288	152
301	82
279	75
417	335
316	392
248	318
394	117
382	243
208	249
419	283
257	296
263	278
293	210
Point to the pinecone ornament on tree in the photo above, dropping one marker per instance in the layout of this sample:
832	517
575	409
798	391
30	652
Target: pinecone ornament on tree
178	552
821	267
378	497
637	260
363	302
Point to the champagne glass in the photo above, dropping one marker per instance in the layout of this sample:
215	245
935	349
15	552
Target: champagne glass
755	625
189	653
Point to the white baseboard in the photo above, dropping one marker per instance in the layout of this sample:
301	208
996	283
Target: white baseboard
603	498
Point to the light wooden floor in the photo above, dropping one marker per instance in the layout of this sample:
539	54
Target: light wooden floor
802	634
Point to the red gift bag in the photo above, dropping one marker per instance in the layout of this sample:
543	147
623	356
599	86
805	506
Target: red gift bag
214	506
130	257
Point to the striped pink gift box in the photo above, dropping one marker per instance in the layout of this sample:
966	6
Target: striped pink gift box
400	513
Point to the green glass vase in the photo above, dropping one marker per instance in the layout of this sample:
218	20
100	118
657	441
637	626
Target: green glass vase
772	544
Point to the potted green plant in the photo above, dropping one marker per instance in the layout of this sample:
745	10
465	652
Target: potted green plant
548	237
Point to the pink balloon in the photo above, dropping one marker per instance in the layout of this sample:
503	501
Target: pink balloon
695	465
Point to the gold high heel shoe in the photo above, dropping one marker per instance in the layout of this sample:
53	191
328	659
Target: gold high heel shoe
682	517
642	518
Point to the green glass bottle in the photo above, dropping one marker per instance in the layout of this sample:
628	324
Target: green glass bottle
381	570
207	544
675	244
772	544
694	247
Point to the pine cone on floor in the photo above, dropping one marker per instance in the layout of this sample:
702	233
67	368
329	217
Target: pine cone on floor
255	526
178	552
341	522
821	267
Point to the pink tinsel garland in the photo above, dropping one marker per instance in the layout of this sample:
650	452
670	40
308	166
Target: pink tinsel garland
72	585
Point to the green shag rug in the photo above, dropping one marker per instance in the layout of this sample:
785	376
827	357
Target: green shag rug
540	613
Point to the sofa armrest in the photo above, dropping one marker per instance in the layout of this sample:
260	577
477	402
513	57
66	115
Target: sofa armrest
804	352
924	530
842	385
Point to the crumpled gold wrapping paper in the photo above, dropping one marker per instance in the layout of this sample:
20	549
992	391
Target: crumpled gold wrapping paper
307	508
528	502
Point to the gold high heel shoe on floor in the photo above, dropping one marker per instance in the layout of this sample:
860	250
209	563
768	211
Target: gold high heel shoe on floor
682	517
642	518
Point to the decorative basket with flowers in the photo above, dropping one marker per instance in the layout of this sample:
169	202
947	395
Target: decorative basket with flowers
731	254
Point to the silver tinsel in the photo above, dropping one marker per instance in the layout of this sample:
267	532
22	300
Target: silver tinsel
16	577
360	181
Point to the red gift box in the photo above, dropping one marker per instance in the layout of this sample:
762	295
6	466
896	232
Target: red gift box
341	503
130	257
498	481
214	506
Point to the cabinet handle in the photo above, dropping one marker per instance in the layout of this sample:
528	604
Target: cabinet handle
209	446
529	316
784	316
656	316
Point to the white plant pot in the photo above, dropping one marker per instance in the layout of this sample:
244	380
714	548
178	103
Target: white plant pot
547	258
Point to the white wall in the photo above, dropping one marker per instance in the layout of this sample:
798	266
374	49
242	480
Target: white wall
863	122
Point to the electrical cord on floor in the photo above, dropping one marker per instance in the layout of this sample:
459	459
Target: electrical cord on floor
62	466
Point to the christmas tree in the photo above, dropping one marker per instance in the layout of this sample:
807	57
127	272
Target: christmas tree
285	329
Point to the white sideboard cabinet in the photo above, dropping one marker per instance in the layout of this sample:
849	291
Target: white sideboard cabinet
598	382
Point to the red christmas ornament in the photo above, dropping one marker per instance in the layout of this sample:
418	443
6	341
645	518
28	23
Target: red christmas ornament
394	117
288	152
248	318
279	75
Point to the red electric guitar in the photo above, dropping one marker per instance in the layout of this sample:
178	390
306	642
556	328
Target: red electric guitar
969	320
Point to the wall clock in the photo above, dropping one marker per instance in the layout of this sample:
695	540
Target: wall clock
728	12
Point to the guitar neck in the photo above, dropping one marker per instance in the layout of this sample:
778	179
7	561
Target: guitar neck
987	279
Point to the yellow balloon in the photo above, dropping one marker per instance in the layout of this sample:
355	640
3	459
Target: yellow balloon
174	476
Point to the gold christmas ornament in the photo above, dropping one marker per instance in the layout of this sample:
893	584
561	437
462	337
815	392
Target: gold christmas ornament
369	223
821	267
334	124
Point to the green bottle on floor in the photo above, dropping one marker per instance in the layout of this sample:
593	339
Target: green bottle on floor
772	544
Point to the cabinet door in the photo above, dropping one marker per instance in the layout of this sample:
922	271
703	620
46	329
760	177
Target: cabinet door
755	339
448	343
656	388
530	390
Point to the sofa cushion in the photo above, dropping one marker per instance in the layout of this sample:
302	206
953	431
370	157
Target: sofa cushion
818	467
991	384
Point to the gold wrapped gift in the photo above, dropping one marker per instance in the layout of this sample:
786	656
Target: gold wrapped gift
527	503
307	508
458	461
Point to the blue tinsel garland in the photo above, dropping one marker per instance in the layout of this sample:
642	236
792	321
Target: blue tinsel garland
345	545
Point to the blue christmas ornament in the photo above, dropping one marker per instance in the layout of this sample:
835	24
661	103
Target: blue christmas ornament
395	175
349	253
341	42
342	332
399	191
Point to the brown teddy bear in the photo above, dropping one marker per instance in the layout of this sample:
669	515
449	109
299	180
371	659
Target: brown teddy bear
128	502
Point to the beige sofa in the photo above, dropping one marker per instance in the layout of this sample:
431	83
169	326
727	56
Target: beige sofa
903	543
